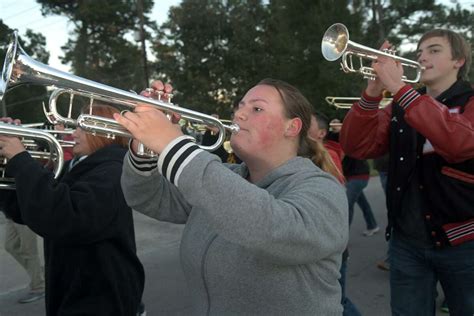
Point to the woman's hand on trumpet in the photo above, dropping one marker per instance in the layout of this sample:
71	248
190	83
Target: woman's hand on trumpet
10	146
158	90
148	125
9	120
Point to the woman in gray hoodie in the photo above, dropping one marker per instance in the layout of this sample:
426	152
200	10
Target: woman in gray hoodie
261	238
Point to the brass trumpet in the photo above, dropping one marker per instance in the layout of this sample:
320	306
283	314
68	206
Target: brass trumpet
336	43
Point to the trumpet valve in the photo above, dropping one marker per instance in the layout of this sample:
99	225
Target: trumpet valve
390	51
159	94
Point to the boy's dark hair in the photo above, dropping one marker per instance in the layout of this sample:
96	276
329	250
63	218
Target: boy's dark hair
460	49
322	119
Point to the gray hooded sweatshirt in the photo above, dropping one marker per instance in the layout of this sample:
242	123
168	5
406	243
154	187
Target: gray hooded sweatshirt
269	248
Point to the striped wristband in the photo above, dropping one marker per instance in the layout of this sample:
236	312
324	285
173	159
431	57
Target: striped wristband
366	104
142	165
176	156
406	96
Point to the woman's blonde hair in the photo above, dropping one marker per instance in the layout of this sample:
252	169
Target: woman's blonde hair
323	160
296	105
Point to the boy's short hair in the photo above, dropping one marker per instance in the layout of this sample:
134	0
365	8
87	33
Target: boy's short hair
460	49
323	120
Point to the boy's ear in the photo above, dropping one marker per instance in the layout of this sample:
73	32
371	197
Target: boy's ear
324	133
294	127
460	62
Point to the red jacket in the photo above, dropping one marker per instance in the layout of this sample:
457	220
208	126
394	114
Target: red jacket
431	147
335	151
365	132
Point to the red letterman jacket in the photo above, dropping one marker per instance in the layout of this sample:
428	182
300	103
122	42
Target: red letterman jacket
435	137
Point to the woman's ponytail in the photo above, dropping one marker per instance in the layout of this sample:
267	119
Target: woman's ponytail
316	151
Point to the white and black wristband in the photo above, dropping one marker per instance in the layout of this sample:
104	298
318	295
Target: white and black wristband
176	156
142	165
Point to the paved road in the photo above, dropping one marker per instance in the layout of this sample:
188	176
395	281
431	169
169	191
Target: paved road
165	289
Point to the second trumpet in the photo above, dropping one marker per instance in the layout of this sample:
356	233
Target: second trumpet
336	44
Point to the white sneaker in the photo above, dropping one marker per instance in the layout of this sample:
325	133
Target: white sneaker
370	232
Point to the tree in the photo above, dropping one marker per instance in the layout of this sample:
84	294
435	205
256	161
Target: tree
210	48
99	49
213	50
296	30
404	21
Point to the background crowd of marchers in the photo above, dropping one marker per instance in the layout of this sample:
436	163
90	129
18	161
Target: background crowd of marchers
212	51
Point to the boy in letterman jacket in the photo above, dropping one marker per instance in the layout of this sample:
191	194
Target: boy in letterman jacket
429	135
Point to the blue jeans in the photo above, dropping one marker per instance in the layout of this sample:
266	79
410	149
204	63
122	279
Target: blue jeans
354	190
415	271
383	180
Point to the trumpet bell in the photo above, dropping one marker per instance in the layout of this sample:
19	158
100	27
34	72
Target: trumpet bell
8	66
19	68
335	41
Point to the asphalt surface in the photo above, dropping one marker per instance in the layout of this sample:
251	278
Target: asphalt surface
165	289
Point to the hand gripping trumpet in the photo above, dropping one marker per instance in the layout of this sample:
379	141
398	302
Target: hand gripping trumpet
336	44
19	68
30	138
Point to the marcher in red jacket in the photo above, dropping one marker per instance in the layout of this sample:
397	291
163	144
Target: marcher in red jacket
429	134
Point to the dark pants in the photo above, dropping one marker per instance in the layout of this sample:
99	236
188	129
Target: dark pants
349	308
415	271
355	193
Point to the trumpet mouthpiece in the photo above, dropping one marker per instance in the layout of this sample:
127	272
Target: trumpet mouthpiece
234	128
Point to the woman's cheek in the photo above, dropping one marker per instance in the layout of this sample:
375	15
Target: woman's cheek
269	133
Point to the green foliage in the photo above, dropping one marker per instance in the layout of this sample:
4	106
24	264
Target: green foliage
98	48
213	53
214	50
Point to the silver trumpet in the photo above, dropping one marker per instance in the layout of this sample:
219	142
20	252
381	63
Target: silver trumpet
336	43
58	134
19	68
31	138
